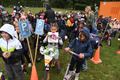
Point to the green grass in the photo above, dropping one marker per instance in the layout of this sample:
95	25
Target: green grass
37	9
107	70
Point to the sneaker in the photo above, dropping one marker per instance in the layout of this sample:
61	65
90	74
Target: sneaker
70	74
2	77
77	76
1	74
29	65
22	66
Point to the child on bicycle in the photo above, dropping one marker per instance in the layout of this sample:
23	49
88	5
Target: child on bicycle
53	39
82	47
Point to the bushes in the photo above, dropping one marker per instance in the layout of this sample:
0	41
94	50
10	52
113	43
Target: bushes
67	4
79	6
27	3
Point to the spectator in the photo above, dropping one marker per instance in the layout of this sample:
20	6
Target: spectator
49	15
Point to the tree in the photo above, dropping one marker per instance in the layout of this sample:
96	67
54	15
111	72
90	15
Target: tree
72	4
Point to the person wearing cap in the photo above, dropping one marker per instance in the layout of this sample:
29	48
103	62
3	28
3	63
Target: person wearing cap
11	51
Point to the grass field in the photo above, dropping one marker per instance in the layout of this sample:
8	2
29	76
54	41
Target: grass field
109	69
35	10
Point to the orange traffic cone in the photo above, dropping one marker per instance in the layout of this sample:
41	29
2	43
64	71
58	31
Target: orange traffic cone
118	52
34	75
96	58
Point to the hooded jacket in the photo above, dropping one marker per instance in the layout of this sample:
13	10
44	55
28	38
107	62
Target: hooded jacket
13	45
82	47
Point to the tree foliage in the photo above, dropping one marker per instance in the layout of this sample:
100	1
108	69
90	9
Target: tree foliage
74	4
67	4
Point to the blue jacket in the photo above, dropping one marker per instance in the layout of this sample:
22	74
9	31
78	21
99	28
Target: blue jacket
82	47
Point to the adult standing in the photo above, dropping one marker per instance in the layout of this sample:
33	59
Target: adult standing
89	16
90	20
49	14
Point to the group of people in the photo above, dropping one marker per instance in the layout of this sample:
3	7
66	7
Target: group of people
79	28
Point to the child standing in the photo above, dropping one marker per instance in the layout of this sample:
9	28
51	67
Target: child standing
11	51
82	47
54	40
24	43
